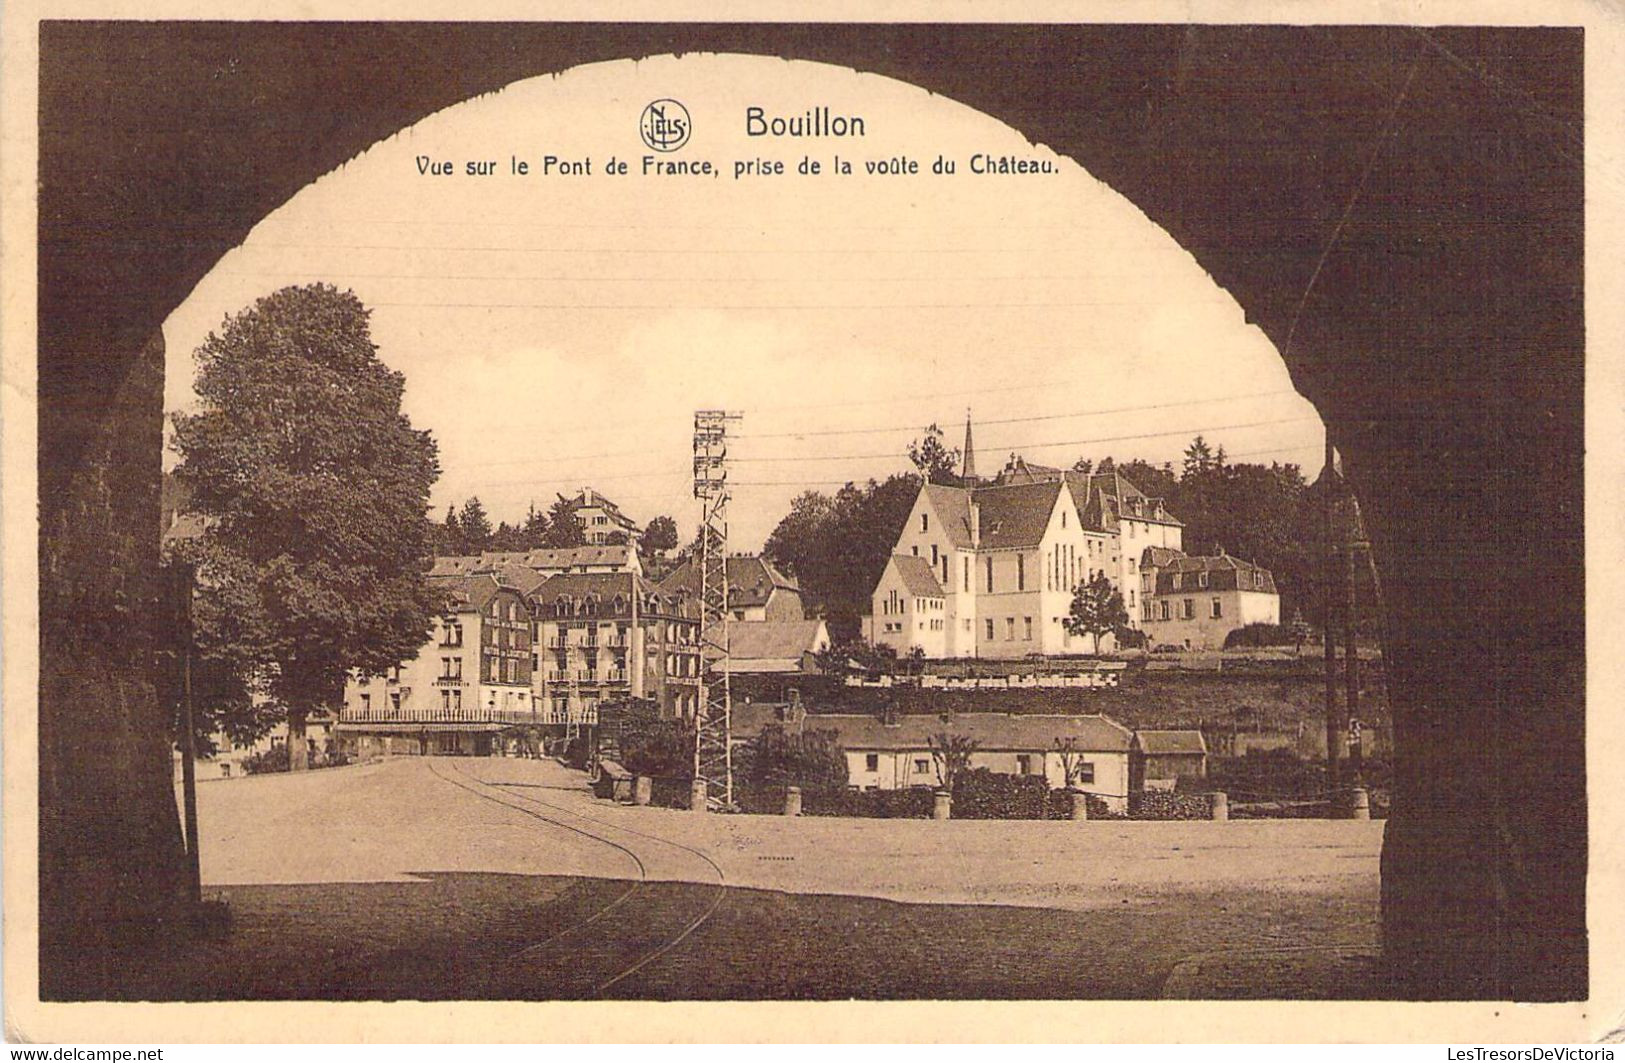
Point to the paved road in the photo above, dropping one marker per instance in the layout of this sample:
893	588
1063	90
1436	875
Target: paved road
458	877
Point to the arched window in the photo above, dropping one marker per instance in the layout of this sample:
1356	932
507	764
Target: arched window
561	607
620	604
589	605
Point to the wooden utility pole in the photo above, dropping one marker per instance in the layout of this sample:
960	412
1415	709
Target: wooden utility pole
1334	732
1351	652
184	576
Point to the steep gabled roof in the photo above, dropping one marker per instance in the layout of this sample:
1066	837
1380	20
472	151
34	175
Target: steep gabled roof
521	578
1018	470
1016	515
469	593
598	501
918	578
1159	556
606	585
752	579
952	507
1154	743
774	645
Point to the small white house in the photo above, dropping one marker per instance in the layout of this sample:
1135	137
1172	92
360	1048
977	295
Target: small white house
896	753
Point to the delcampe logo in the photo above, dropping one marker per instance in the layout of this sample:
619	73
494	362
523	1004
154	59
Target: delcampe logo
665	125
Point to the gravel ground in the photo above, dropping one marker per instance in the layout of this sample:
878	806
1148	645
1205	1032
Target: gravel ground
449	878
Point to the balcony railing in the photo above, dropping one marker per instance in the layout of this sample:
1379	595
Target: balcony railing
436	714
450	681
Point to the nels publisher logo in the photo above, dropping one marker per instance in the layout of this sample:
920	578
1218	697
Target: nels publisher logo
665	125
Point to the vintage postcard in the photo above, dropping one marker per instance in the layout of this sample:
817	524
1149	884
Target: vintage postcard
811	519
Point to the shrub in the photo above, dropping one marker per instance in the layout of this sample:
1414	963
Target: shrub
1129	638
982	794
1267	775
669	792
912	803
576	753
812	759
267	761
1166	804
1260	635
1060	806
661	748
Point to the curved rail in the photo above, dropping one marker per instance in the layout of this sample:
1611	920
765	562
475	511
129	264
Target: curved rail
654	954
637	862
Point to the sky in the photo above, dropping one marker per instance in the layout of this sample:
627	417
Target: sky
559	331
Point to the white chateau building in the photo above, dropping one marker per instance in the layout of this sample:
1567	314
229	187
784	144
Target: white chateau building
989	569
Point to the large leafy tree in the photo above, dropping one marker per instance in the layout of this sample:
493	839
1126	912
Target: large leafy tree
315	489
934	458
563	529
776	757
476	525
448	538
659	536
1097	609
837	545
534	532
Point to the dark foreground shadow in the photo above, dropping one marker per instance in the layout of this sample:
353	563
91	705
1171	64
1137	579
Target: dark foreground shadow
474	936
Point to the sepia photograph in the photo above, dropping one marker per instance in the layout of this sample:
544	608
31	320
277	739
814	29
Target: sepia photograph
805	512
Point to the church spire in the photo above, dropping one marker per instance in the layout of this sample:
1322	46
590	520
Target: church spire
967	465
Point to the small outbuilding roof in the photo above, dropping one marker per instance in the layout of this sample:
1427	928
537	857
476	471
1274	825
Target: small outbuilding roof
1162	743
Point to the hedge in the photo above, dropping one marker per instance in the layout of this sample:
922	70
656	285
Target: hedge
275	759
1166	804
913	803
982	794
1260	635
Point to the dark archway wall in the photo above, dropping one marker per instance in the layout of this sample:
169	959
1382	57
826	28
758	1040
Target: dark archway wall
1400	212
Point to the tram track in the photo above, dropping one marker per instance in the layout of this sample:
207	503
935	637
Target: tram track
549	813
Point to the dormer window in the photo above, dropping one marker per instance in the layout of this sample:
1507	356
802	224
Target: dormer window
1201	579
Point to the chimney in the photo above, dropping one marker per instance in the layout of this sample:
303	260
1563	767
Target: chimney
975	523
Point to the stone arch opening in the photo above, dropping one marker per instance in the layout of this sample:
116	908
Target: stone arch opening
1410	236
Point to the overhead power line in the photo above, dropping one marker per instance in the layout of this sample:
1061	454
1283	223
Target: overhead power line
1056	443
911	427
1021	420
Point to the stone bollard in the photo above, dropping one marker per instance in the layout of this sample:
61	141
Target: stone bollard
1359	803
1221	806
697	794
1080	805
942	804
643	788
792	800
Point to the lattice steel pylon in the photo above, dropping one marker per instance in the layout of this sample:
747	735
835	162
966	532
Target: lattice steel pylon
713	720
